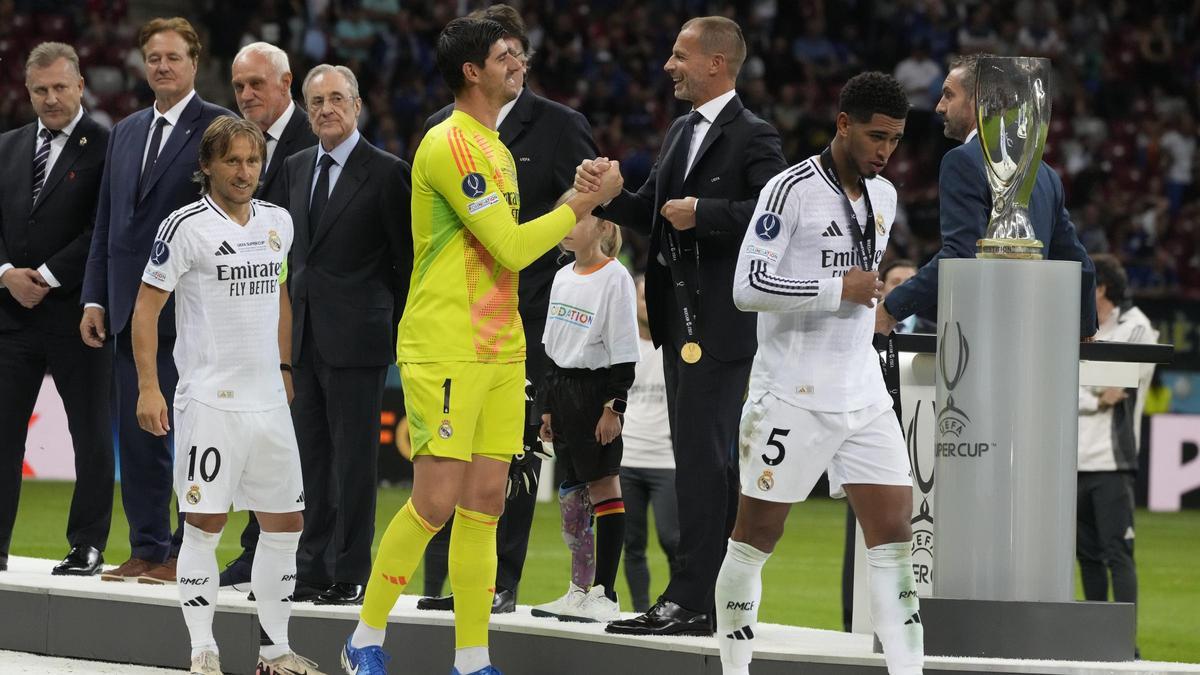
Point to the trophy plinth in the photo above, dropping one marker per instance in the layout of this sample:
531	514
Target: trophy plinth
1013	115
1010	249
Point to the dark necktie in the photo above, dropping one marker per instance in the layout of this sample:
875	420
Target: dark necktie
263	174
682	149
152	154
320	195
40	159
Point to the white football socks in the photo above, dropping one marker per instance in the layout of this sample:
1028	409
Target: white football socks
738	593
198	581
895	610
470	659
273	578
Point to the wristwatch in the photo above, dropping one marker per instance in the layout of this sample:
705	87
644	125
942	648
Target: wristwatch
616	405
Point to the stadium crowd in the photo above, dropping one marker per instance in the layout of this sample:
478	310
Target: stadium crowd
1123	134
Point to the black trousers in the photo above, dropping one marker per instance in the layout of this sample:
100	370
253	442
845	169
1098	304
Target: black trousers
336	415
1104	535
512	534
83	377
704	403
643	489
147	461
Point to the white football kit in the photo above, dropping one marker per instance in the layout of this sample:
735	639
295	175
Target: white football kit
234	440
817	401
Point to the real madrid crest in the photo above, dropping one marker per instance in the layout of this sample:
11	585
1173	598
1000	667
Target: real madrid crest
766	481
879	223
273	240
445	431
193	495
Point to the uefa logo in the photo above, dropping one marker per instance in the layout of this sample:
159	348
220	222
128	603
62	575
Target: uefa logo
952	420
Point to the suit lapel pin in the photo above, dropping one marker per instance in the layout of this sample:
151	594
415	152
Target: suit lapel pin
70	175
82	141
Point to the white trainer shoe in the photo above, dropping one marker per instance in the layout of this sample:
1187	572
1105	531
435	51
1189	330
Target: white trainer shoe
596	607
206	663
288	664
567	603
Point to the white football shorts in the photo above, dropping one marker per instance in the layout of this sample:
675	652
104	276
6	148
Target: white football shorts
247	459
785	449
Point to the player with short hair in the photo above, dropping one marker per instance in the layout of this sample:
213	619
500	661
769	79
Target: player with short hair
817	401
225	258
461	345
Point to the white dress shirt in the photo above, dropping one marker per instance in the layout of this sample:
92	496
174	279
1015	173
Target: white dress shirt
275	131
172	117
340	154
56	147
708	112
507	108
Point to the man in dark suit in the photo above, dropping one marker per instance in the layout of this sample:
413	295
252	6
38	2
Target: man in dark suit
152	156
965	202
348	273
892	275
262	86
52	171
695	207
547	140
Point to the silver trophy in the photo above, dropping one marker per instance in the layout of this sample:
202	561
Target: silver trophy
1013	111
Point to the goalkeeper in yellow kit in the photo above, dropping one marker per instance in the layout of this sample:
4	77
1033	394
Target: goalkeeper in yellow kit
461	346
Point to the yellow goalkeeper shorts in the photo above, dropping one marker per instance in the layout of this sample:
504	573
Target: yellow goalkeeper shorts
461	408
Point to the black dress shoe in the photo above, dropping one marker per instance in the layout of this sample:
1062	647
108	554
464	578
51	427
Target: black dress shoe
306	592
237	573
440	603
82	561
504	601
342	594
664	618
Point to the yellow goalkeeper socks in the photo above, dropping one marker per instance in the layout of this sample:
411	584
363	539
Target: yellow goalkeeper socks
400	551
472	575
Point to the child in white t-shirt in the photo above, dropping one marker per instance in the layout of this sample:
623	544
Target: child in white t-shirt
591	340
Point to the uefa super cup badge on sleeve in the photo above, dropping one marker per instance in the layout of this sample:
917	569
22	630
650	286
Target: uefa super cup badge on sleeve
1012	100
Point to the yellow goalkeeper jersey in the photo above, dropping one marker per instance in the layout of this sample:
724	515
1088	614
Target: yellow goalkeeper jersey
468	248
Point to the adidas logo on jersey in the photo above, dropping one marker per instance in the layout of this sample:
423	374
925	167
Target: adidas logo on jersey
833	230
197	601
225	249
914	619
743	633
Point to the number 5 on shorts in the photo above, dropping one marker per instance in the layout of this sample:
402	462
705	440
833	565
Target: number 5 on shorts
778	445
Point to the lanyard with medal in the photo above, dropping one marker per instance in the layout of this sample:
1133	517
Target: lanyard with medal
690	352
864	245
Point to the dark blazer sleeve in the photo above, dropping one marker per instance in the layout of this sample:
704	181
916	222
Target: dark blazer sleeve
963	205
574	144
725	219
95	276
397	199
437	118
1065	245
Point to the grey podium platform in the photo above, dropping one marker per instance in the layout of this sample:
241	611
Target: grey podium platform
142	624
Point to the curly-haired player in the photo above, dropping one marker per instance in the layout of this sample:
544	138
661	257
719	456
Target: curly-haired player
817	401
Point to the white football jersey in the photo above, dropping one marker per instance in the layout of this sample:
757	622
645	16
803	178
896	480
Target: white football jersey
814	350
226	278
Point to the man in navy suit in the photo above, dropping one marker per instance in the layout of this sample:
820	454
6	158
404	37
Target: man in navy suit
152	156
52	170
965	202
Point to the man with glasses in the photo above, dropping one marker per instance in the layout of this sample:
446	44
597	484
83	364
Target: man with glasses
347	275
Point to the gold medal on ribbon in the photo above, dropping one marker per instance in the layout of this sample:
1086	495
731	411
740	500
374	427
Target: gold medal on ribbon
691	352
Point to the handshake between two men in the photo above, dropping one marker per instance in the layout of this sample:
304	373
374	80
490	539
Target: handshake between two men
858	285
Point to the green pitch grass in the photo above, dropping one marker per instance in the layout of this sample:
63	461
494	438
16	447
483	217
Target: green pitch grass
802	581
